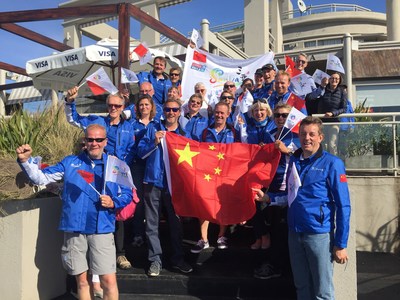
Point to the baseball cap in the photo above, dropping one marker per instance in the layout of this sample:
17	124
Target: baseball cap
258	72
268	67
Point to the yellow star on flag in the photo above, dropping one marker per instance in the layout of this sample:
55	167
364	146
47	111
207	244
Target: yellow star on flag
211	147
221	155
186	155
217	171
207	177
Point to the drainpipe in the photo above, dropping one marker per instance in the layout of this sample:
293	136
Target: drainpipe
205	28
347	46
393	20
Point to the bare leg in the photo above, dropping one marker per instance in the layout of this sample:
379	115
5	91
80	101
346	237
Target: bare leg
84	288
110	287
204	229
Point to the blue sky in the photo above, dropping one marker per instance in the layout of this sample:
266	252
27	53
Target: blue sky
183	17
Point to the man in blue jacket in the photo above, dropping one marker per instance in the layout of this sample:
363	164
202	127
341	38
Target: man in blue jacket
156	194
318	213
88	211
120	143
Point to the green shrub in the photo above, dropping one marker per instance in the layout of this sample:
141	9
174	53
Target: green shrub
47	132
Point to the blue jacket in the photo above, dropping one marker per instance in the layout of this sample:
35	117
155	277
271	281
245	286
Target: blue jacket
292	142
195	127
322	197
227	135
155	171
120	141
257	134
264	92
140	130
77	193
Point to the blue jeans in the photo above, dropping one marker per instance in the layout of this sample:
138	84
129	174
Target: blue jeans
154	199
312	265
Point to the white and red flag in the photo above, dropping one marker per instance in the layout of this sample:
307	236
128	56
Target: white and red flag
99	83
143	52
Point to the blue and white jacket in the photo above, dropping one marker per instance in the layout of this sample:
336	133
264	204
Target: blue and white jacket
155	170
120	140
77	193
322	200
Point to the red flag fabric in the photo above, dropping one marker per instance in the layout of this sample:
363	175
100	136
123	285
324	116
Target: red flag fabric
291	67
213	181
200	57
87	176
141	50
296	102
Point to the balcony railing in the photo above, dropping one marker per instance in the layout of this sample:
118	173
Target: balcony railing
367	145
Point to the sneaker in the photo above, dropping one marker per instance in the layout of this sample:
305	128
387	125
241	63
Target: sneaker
222	242
266	271
98	294
137	241
123	263
154	269
183	266
200	246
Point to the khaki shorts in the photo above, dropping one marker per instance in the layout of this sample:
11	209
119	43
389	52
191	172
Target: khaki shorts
81	251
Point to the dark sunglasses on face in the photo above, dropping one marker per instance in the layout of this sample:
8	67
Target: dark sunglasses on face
283	115
226	97
229	86
200	91
91	140
302	61
169	109
114	105
174	74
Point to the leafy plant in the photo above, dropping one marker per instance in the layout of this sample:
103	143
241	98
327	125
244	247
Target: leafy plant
47	132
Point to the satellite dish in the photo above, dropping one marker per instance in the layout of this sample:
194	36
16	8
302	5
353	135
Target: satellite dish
301	5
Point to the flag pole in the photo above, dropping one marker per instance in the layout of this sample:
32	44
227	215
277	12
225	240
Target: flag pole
94	189
81	84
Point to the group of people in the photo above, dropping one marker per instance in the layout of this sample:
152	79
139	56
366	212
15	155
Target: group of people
315	213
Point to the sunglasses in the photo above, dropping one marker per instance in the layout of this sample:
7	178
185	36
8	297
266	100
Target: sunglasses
302	61
262	100
227	97
169	109
283	115
174	74
226	86
91	140
200	91
115	105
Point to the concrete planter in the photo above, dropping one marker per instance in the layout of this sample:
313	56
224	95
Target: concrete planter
30	247
370	162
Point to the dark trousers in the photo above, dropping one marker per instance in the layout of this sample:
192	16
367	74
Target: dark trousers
154	200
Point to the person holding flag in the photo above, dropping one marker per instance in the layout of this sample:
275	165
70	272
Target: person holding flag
318	213
283	95
121	140
275	196
88	211
156	194
218	132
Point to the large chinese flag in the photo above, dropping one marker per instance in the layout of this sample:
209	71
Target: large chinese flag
213	181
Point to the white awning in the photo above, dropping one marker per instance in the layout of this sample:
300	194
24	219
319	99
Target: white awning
27	94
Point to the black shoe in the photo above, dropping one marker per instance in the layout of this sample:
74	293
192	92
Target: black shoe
266	271
183	266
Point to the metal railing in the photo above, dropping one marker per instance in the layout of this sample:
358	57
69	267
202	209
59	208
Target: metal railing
323	8
368	145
